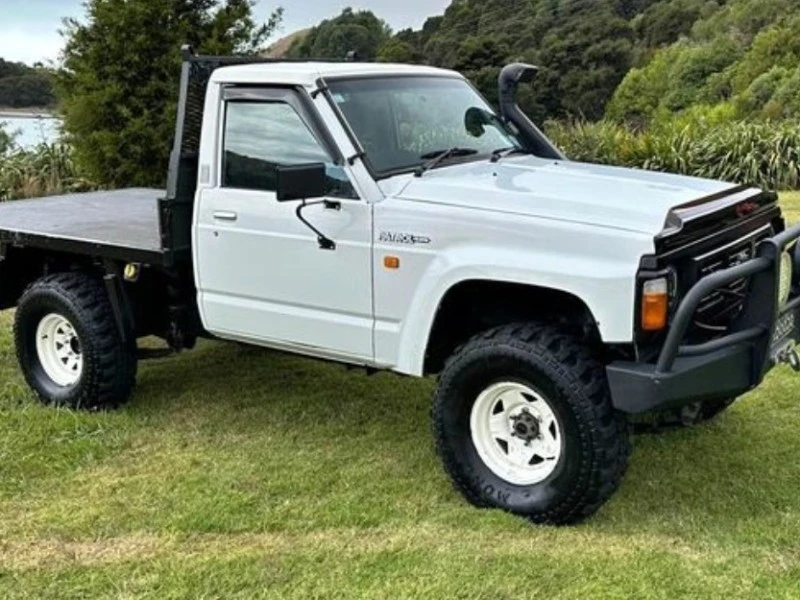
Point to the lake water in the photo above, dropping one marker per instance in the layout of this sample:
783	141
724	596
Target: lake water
31	130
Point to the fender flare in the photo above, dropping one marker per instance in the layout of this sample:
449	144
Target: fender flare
616	286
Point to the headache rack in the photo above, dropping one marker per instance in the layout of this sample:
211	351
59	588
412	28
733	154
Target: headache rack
175	209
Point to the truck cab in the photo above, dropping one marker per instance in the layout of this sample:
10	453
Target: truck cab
387	216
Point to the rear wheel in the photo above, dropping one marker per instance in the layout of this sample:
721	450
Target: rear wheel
68	345
523	422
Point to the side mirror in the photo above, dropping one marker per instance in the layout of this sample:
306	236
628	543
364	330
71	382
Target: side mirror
300	182
475	120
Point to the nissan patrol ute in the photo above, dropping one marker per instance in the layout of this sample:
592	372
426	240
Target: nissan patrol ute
386	216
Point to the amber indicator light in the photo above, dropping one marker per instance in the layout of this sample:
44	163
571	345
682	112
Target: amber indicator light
391	262
655	303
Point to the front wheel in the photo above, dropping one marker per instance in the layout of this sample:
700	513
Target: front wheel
523	422
69	346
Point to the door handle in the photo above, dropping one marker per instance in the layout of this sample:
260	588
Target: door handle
225	215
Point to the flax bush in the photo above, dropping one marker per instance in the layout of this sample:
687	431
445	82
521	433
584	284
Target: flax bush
766	154
40	171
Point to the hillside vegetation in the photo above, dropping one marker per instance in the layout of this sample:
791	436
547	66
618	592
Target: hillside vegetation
648	55
742	61
22	86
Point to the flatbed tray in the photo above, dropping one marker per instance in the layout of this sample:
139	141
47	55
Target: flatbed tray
119	224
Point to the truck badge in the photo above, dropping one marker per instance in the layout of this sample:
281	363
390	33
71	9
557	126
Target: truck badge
403	238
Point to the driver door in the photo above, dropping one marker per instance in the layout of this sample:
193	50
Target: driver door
261	274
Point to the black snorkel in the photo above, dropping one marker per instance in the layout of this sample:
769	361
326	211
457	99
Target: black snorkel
508	81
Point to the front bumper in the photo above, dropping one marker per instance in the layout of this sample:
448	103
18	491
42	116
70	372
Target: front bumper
727	366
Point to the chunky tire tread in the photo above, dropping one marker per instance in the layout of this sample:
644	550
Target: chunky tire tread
581	381
109	372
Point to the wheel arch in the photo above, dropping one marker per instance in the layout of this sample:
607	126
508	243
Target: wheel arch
473	305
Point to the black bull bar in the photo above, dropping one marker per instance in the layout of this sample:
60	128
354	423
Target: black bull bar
728	366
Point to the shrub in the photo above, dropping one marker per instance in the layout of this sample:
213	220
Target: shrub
41	171
764	154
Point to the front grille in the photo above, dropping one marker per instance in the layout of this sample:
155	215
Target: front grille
719	309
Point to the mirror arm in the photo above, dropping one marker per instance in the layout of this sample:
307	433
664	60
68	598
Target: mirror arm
325	243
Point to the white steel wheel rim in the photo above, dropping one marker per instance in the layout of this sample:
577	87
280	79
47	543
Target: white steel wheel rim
516	433
59	350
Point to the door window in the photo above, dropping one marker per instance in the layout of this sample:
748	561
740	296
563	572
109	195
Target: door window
260	136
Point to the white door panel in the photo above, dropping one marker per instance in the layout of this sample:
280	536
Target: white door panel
261	275
264	276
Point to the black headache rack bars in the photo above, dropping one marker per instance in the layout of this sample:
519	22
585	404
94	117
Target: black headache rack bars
175	209
726	366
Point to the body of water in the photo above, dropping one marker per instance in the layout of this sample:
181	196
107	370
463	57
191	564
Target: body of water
31	130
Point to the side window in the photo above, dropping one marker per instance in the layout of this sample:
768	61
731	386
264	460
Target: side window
260	136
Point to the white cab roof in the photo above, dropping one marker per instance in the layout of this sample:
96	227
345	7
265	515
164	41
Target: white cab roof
307	73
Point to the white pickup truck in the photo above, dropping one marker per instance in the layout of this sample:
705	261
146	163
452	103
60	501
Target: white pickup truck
386	216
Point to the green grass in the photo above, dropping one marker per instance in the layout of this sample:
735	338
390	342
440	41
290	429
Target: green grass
241	473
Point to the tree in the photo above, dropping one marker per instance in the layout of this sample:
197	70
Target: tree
121	66
22	86
397	51
665	22
358	31
23	91
583	61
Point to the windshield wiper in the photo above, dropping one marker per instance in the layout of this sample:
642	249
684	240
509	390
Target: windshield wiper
438	156
503	152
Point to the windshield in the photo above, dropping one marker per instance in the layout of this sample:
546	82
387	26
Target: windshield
402	122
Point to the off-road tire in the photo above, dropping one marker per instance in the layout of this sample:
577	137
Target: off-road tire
595	436
109	364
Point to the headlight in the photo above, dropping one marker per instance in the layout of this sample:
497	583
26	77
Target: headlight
784	278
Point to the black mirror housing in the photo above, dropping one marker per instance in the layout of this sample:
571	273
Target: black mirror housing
300	182
475	120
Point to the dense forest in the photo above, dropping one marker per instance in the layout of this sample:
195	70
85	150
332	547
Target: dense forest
22	86
626	59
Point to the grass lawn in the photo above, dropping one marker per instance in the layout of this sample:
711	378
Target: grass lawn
241	473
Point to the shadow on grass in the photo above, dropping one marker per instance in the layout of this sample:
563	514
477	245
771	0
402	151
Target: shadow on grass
225	382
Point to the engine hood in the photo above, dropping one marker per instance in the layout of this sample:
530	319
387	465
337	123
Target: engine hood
627	199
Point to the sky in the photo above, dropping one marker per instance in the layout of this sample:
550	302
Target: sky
29	28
